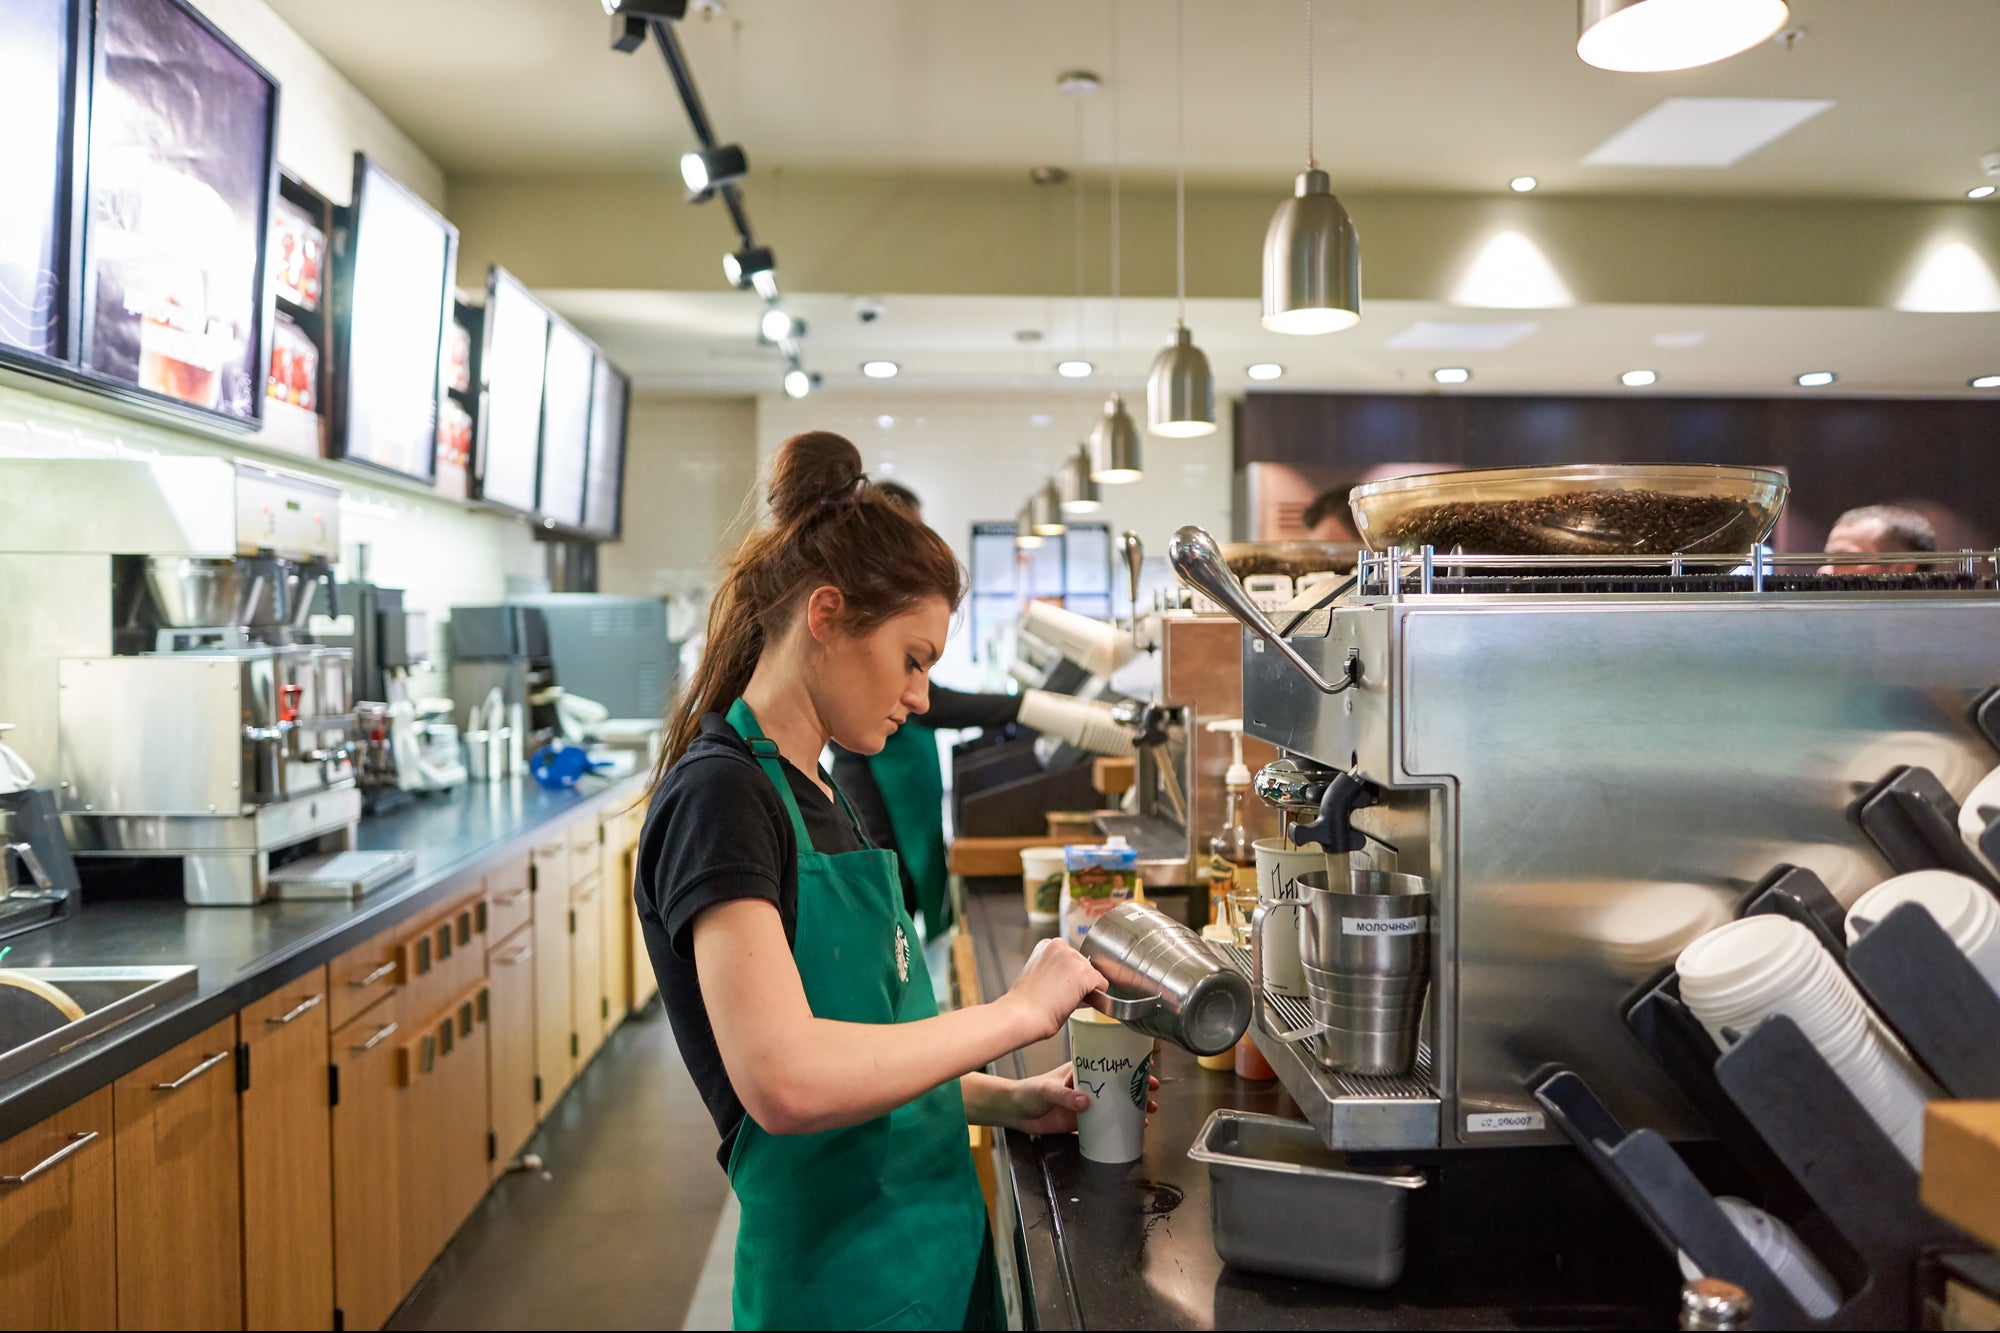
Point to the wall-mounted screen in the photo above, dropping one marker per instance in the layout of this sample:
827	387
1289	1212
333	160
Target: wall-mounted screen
603	494
39	62
396	256
566	396
511	367
182	173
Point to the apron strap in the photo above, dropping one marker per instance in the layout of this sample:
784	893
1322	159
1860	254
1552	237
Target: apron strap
766	751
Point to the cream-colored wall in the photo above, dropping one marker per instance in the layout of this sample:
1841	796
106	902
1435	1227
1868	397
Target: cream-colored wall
974	455
690	463
442	552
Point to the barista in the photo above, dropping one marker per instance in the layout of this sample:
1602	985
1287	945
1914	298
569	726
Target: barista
899	791
1878	528
801	1006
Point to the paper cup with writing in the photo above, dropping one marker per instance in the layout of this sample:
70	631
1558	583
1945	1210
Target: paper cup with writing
1114	1066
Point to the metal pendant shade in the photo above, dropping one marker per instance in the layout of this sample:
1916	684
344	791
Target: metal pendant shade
1079	489
1180	391
1653	36
1045	513
1114	446
1025	536
1312	262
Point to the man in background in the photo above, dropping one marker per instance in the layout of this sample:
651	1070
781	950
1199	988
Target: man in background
1328	518
1878	528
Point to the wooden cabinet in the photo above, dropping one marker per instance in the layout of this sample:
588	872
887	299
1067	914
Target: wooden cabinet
441	1075
555	1063
367	1161
180	1196
510	981
589	1008
507	899
287	1158
58	1233
443	953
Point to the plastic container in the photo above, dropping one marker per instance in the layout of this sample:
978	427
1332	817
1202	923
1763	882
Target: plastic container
1283	1202
1096	879
1575	509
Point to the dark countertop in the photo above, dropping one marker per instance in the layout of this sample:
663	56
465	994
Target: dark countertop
1131	1246
244	953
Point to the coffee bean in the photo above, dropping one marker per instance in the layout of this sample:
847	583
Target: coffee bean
1603	522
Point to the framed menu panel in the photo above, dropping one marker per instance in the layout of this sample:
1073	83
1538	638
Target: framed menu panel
603	492
512	362
41	65
182	173
393	265
567	390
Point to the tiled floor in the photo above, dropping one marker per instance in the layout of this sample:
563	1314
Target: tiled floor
616	1229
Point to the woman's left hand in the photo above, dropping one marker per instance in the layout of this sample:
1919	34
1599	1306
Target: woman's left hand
1048	1103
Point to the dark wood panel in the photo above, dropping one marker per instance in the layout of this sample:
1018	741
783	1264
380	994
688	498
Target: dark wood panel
1941	455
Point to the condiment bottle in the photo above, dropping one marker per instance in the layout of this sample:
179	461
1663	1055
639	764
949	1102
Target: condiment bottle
1232	855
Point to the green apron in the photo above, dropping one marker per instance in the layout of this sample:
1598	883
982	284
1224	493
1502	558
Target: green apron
913	791
879	1225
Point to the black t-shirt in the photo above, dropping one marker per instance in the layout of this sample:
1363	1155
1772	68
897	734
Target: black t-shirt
717	831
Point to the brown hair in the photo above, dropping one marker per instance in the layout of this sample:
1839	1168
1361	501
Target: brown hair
829	526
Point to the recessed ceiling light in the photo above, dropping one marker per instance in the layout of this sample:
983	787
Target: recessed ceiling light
1451	375
1704	131
1040	420
1265	370
1681	340
1522	184
886	422
880	370
1981	191
1814	379
1987	382
1637	379
1074	370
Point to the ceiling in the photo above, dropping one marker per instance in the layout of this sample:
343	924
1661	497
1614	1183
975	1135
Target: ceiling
1423	95
706	341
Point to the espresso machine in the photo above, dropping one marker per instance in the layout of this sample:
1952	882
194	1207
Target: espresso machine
505	648
1591	760
193	719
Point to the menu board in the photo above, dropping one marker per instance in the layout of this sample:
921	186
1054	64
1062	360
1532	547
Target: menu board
511	366
390	316
37	86
604	491
182	169
567	390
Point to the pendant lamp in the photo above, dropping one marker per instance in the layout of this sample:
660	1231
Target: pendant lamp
1045	513
1025	537
1114	446
1079	489
1652	36
1180	392
1312	257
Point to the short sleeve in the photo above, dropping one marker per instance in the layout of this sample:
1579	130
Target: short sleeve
718	841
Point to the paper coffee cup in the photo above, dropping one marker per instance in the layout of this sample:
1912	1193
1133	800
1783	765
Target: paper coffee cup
1041	883
1113	1066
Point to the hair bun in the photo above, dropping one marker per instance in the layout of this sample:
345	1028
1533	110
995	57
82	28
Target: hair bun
811	468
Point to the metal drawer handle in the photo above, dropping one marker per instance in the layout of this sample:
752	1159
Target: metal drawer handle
305	1006
382	1034
591	897
77	1143
511	896
551	849
515	956
193	1074
386	969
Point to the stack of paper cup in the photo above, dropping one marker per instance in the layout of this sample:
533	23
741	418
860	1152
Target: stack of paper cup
1279	866
1749	970
1782	1252
1981	807
1962	907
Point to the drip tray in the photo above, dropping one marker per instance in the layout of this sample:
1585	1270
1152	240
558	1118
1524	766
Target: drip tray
1351	1111
340	875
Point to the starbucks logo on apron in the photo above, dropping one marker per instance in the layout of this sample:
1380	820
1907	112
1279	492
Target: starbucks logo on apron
902	954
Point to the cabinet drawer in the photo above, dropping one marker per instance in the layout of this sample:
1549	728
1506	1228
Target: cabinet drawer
444	953
289	1004
58	1231
551	866
583	837
360	978
508	905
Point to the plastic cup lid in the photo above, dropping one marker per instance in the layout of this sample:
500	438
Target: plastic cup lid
1750	947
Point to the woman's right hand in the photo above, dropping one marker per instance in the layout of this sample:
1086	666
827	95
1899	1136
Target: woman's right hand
1052	985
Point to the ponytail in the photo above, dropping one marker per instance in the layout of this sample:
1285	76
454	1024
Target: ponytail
829	526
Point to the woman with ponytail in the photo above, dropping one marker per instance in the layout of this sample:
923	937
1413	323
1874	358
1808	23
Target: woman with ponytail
788	965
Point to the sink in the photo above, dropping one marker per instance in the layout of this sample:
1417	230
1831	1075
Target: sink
33	1030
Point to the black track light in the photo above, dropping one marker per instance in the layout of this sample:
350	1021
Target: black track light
671	10
743	267
628	32
706	168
